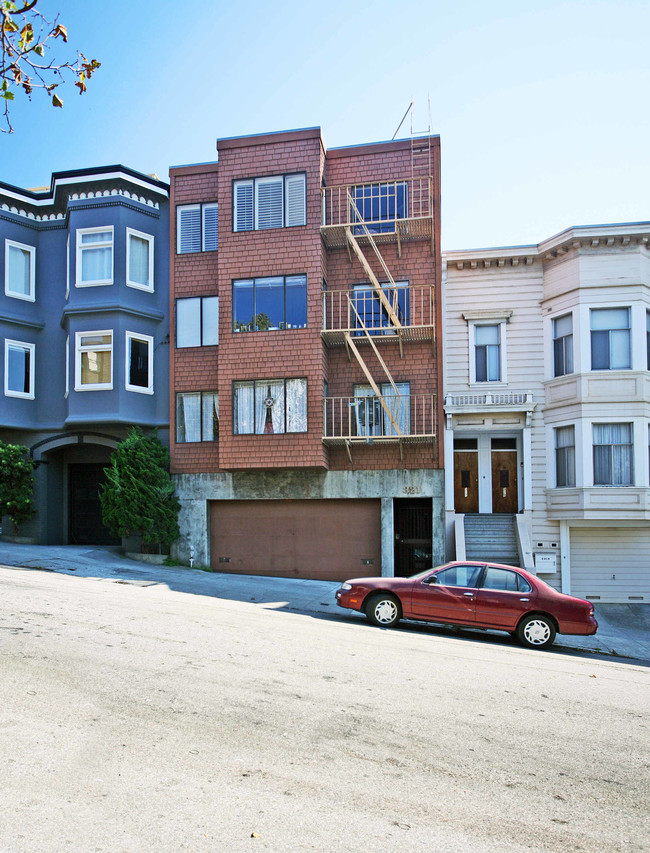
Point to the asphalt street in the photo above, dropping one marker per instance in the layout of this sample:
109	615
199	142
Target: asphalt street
139	718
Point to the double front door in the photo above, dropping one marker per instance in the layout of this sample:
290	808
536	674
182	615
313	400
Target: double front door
485	475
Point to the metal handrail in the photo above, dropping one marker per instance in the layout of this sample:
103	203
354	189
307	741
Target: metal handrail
412	304
361	418
336	208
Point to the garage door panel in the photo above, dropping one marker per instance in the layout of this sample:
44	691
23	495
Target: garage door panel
611	564
318	539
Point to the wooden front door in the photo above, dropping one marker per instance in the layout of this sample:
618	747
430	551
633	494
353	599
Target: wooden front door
504	481
465	481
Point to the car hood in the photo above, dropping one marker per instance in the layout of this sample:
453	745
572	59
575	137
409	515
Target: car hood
378	581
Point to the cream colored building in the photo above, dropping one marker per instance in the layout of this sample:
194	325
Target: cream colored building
547	408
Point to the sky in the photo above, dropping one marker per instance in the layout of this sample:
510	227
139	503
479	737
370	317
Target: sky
542	107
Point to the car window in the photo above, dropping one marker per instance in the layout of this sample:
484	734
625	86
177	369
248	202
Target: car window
459	576
502	579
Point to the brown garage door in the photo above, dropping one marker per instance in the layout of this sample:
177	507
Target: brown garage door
325	540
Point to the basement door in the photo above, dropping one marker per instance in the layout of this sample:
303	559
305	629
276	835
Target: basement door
320	539
413	525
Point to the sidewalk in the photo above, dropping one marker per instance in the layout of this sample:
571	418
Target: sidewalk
624	629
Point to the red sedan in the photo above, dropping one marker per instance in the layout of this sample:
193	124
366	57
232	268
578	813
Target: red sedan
473	595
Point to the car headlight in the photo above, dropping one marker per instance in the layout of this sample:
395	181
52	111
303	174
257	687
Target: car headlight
346	586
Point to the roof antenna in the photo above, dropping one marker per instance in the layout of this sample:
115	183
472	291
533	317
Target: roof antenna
410	107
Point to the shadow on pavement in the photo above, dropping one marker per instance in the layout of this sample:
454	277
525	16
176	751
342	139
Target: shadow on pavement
627	627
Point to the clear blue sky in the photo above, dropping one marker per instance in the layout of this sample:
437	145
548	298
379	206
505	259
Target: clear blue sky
542	107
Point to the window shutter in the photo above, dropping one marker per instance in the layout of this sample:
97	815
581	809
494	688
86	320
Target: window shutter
189	229
295	200
210	227
268	203
244	206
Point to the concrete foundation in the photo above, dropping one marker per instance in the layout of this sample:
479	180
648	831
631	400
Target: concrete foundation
196	490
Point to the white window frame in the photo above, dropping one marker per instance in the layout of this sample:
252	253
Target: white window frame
631	445
108	386
148	339
31	296
563	338
131	232
595	309
67	368
565	447
503	360
31	349
67	269
81	248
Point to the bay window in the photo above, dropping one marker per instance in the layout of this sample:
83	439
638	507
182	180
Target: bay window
20	270
139	260
94	256
613	455
94	361
19	369
610	339
565	456
563	345
139	363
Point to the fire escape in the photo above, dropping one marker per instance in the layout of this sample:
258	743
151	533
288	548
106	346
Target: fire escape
361	218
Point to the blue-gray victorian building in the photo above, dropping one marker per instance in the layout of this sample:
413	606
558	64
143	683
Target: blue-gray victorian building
84	332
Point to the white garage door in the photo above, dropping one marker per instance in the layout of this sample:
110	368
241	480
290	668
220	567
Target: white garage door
611	563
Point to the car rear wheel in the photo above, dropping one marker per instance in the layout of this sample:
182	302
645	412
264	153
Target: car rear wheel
383	610
536	632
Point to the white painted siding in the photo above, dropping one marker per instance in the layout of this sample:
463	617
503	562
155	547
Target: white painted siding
610	562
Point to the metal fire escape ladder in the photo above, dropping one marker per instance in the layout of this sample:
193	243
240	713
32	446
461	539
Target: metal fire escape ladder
386	305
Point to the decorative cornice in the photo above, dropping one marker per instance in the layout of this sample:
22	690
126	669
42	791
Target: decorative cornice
573	239
488	314
60	216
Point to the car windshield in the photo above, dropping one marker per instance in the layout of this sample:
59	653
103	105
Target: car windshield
425	572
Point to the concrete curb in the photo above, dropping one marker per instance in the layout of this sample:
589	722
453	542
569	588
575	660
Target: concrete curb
624	630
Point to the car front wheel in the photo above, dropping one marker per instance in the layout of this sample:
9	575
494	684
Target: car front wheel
536	632
383	610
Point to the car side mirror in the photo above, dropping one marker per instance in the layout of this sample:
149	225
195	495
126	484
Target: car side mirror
432	579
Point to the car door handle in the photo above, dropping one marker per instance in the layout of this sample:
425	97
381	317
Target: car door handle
471	594
524	599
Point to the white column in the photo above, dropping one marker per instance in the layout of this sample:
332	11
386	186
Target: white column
449	470
528	468
565	556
